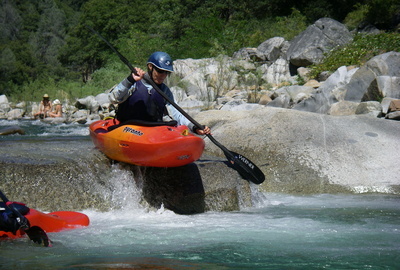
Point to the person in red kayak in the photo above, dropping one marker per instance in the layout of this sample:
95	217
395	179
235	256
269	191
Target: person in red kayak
137	100
9	222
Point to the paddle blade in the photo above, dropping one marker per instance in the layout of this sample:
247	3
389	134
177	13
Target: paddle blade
246	168
38	236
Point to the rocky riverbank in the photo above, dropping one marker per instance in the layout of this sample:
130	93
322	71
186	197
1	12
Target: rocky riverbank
332	135
266	76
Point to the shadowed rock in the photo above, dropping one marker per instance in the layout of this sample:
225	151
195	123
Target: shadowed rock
73	175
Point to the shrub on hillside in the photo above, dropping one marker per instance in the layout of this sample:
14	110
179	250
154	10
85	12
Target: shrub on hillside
359	51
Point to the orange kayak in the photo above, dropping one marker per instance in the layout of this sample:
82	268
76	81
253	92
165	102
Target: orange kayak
52	222
146	145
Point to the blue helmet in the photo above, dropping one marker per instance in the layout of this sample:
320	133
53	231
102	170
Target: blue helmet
161	60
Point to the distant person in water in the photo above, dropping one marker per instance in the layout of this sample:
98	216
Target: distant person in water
137	100
44	107
57	109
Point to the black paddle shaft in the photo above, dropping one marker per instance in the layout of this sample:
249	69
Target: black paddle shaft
247	169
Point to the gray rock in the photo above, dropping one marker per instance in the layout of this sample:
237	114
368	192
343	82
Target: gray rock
203	186
240	105
383	86
309	47
245	54
366	27
15	114
80	116
393	115
207	185
21	105
192	106
206	78
178	92
385	104
4	104
103	100
324	75
282	101
373	108
302	152
12	130
318	103
272	49
343	108
386	64
295	92
331	91
264	99
276	73
304	72
389	86
90	103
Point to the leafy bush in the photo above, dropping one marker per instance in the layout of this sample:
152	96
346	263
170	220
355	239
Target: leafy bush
104	78
363	48
357	16
63	90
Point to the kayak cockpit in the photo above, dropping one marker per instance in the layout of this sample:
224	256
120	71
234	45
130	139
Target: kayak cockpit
112	124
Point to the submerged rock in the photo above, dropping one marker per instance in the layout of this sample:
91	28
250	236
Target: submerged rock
12	130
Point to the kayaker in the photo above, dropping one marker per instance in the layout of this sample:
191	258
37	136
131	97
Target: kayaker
137	100
8	221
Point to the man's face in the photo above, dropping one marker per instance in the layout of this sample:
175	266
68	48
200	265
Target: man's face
158	75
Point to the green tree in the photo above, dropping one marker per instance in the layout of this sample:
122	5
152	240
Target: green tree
381	12
8	65
47	41
85	52
10	21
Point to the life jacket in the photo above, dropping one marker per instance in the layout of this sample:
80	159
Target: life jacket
142	105
8	221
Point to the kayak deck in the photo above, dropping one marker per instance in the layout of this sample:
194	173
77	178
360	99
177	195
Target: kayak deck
152	146
51	222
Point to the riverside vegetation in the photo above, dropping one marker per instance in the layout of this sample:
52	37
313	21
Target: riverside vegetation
45	47
273	74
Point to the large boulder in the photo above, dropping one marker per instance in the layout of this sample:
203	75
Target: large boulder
15	114
88	179
277	72
272	49
330	92
4	106
206	79
247	54
89	103
309	46
103	100
377	79
302	152
373	108
343	108
296	93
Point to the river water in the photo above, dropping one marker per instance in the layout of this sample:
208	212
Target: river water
280	231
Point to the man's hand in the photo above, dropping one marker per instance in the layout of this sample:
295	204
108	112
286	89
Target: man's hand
204	131
140	74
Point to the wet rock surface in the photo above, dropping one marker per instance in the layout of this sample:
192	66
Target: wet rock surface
73	175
